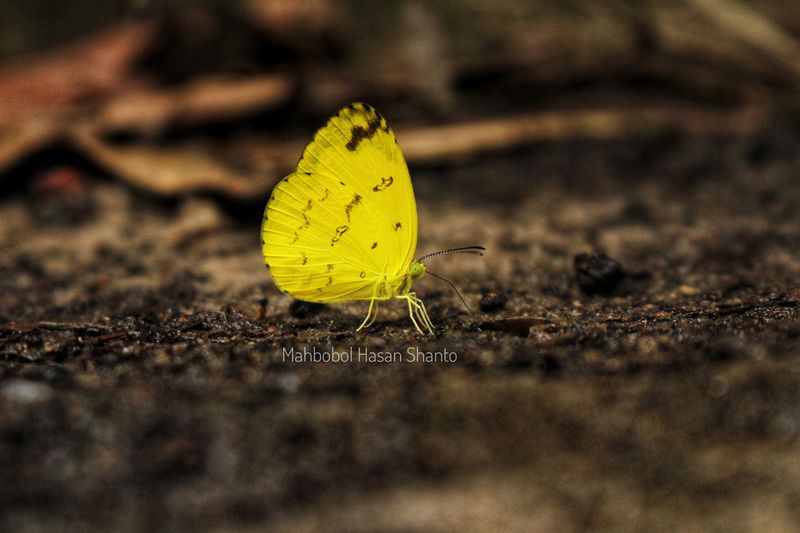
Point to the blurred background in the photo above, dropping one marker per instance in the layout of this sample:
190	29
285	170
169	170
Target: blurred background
632	359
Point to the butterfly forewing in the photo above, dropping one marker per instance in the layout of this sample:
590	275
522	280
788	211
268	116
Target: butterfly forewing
347	217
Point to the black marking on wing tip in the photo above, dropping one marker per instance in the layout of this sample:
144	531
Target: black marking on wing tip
304	259
296	238
360	133
385	182
397	226
349	207
329	268
343	184
330	281
362	275
306	222
308	205
263	242
374	245
341	230
307	173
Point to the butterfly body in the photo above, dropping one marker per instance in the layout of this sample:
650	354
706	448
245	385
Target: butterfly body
343	226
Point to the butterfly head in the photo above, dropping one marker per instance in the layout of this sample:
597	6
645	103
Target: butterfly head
416	270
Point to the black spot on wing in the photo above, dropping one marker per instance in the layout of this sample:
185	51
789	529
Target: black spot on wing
328	268
362	275
397	226
349	207
306	222
304	258
360	133
341	230
374	245
330	281
385	182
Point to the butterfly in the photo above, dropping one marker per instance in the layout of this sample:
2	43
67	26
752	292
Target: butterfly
343	226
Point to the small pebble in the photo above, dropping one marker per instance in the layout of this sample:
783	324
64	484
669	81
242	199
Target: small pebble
262	309
596	273
24	391
289	383
492	301
688	290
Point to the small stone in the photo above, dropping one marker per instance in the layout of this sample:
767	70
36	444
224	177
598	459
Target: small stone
492	301
597	273
262	309
301	309
24	391
289	383
688	290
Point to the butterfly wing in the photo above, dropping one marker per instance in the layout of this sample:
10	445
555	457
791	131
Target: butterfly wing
346	219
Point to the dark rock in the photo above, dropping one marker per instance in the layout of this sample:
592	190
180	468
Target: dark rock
596	273
492	301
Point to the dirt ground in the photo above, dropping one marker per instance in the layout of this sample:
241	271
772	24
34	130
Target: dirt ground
143	383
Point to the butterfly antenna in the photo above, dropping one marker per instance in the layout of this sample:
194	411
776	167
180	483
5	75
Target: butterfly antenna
454	288
474	250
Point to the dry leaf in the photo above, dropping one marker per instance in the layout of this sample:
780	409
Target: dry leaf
19	141
52	83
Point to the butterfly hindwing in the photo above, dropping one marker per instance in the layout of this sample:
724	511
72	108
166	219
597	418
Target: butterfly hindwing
305	248
346	218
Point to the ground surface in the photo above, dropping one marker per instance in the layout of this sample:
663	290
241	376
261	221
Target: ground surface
142	382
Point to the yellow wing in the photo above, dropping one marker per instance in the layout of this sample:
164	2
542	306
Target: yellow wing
346	219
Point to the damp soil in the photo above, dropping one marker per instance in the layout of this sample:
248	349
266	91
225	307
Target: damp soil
632	361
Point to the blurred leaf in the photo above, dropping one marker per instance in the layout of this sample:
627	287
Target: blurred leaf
98	65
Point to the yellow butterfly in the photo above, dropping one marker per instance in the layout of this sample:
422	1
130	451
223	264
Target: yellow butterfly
343	226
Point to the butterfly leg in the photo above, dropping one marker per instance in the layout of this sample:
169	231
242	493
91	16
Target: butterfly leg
370	318
411	311
417	311
424	314
374	314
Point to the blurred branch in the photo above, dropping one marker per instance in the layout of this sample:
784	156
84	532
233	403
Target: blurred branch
151	111
751	27
457	141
